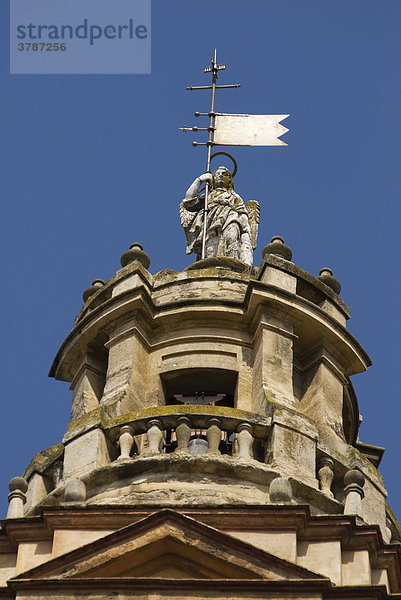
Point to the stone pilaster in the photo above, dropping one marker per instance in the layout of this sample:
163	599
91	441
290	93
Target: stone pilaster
87	385
291	447
323	386
272	363
125	387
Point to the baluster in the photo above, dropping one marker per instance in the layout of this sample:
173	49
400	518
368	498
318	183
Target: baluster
245	440
183	432
126	441
155	436
213	435
326	475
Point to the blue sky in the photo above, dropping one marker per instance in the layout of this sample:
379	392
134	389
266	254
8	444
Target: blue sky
91	163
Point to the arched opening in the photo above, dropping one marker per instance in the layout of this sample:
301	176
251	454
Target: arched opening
213	387
200	386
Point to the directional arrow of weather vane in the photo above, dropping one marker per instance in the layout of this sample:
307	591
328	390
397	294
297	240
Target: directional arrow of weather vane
233	130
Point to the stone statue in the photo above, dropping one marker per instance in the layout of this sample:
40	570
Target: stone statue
232	226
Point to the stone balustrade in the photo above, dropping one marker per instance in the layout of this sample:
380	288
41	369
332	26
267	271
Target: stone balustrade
192	429
164	434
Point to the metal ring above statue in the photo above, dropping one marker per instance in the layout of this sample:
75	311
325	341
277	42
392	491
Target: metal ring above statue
229	156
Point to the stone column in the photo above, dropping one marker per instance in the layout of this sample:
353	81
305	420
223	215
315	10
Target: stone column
183	432
18	487
213	435
354	481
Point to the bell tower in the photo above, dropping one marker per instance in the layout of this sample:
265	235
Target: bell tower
213	447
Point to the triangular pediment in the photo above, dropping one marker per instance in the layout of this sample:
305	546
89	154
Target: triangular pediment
167	544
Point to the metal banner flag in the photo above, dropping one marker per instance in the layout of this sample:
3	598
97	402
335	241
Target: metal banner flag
249	130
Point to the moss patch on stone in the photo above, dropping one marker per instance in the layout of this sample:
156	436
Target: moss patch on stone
222	262
42	460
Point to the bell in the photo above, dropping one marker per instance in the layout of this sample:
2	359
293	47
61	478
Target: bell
197	446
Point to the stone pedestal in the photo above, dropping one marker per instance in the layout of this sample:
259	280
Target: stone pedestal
84	453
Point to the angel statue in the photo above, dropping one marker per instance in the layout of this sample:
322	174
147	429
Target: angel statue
232	226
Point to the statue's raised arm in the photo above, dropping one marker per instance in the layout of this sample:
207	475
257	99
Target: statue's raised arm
231	228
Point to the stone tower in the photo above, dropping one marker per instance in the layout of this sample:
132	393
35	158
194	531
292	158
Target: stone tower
213	448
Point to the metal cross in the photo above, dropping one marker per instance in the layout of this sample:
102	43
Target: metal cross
214	68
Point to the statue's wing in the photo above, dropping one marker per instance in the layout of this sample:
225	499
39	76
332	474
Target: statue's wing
186	216
253	210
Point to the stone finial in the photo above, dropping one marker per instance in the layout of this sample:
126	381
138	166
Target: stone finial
277	247
18	487
18	484
354	481
135	252
92	289
326	275
280	491
326	475
75	491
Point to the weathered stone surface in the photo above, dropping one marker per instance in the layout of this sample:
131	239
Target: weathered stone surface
222	262
272	363
75	491
280	491
270	348
84	544
38	488
85	453
315	555
32	554
88	384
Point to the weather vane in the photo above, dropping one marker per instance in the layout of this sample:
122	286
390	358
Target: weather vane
231	130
